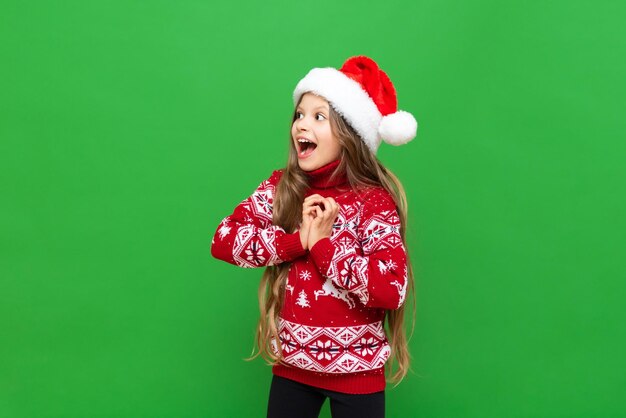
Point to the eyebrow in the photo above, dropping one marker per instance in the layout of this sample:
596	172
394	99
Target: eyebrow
316	108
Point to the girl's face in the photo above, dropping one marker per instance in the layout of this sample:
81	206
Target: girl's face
315	144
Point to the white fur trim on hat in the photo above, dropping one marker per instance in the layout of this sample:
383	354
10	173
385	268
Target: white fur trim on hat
398	128
347	98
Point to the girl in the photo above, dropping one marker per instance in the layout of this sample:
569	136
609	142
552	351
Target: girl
330	228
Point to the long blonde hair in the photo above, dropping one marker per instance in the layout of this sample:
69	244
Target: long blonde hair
363	170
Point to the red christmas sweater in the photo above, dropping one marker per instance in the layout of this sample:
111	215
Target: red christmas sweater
331	323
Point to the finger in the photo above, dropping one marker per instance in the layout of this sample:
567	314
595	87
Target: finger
327	204
334	205
332	208
330	214
312	202
318	214
312	197
327	213
310	205
312	208
309	211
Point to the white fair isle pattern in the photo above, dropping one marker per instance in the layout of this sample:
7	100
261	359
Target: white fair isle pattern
254	246
262	200
385	266
401	290
252	249
289	288
224	229
303	301
329	289
380	232
345	349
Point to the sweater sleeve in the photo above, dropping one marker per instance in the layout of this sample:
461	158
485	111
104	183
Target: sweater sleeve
377	274
247	237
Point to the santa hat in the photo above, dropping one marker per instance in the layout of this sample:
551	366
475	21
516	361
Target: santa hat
363	94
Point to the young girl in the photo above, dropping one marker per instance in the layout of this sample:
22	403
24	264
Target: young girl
330	228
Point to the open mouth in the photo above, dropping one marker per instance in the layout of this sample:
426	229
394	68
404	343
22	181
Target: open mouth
305	147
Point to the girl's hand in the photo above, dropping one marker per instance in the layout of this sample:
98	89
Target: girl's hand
308	214
324	218
305	226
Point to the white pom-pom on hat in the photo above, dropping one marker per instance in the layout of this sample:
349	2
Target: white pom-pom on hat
398	128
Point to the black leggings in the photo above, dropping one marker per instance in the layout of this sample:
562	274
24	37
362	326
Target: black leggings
291	399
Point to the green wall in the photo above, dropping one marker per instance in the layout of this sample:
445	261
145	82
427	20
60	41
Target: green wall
129	129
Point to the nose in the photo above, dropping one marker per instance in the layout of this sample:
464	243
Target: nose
301	124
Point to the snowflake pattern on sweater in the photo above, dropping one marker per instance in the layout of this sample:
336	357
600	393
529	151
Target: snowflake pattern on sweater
337	293
333	349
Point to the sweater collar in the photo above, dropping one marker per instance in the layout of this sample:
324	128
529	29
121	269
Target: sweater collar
320	178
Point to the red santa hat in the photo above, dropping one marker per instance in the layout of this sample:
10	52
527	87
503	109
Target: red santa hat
363	94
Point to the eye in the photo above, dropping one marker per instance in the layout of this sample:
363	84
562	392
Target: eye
298	114
320	114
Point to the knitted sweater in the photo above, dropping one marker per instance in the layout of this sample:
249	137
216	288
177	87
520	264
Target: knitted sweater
331	322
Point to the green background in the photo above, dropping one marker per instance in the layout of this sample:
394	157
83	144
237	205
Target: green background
129	129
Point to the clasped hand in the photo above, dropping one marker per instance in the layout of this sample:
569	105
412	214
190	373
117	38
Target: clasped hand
318	216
